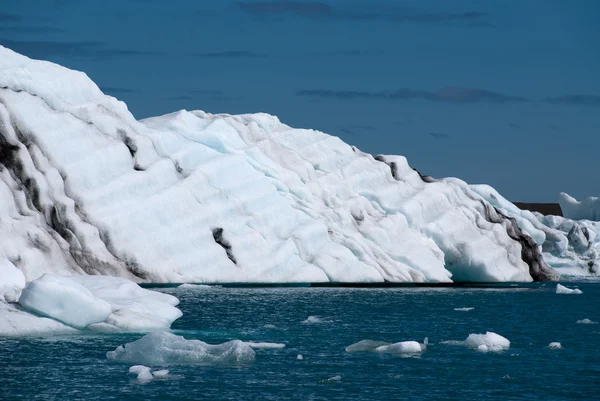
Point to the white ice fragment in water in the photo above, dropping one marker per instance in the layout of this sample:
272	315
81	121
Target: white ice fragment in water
299	357
269	326
488	342
164	348
259	345
161	374
586	321
314	320
403	347
365	346
188	286
142	372
463	309
561	289
332	379
555	345
65	300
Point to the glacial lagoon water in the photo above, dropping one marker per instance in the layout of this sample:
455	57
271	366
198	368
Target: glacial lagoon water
531	317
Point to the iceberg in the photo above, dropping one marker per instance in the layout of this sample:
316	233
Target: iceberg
561	289
488	342
163	348
86	189
555	345
55	304
587	209
381	347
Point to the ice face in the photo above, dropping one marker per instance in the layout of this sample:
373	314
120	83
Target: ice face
561	289
96	303
197	197
365	346
587	209
64	300
164	348
143	373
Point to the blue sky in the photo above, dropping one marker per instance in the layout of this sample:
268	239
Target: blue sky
499	92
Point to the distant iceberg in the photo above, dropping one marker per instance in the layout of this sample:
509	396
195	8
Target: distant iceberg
208	198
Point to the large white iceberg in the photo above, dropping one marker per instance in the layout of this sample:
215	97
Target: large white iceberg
587	209
199	197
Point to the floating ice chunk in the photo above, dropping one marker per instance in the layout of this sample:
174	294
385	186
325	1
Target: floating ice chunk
561	289
258	345
65	300
161	374
586	321
332	379
197	286
142	372
164	348
463	309
314	320
555	345
488	342
17	323
404	347
365	346
494	342
269	326
300	357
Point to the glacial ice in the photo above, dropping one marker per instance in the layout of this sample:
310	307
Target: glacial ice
54	304
561	289
198	197
587	209
64	300
586	321
264	345
314	320
488	342
161	374
555	345
163	348
464	309
142	372
399	348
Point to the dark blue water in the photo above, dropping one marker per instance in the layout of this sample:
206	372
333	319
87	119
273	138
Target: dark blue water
76	367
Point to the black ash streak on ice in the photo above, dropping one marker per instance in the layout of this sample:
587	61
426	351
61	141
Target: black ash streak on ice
530	252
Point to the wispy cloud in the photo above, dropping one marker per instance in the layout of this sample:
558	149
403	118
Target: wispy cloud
323	11
90	50
576	100
230	54
448	94
439	135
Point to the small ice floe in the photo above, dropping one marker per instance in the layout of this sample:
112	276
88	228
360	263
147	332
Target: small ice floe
488	342
463	309
507	377
399	348
161	374
142	372
314	320
561	289
332	379
300	357
258	345
586	321
188	286
555	345
269	326
163	348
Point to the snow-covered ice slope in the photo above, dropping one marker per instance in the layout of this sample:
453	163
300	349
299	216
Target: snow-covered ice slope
198	197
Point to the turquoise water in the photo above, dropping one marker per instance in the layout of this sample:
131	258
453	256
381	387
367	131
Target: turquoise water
76	367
